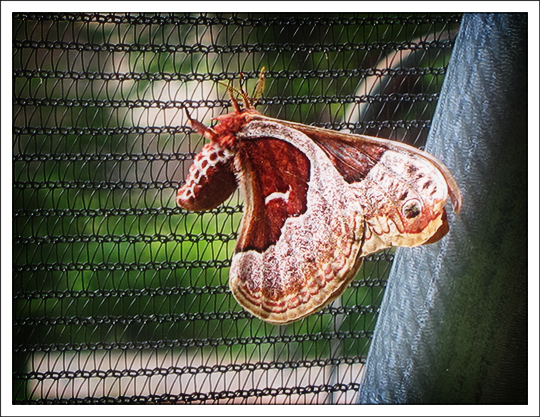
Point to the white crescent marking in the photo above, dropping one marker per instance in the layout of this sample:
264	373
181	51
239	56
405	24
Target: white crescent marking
276	195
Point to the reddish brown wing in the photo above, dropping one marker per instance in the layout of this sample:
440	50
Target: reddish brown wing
402	190
351	149
276	176
336	198
317	227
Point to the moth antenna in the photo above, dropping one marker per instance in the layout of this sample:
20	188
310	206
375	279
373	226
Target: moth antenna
233	99
232	91
241	79
259	87
243	93
249	103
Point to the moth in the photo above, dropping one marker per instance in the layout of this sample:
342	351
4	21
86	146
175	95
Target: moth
317	201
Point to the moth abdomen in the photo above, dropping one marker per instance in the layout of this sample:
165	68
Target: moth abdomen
210	181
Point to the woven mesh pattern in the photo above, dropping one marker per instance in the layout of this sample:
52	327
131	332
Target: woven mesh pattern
119	296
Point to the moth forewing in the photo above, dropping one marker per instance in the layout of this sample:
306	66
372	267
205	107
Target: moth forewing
350	138
402	190
316	253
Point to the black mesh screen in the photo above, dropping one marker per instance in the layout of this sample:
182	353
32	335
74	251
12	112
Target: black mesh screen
119	296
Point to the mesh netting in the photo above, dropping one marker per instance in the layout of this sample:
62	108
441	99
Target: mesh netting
120	296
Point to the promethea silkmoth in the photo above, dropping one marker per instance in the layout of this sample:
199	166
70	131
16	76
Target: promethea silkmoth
316	202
